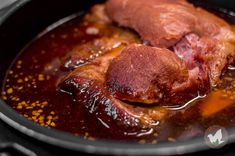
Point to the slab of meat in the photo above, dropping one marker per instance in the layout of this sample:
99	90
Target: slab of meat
87	85
169	23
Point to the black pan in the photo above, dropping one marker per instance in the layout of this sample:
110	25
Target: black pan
20	23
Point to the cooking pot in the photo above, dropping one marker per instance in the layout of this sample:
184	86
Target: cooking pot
20	22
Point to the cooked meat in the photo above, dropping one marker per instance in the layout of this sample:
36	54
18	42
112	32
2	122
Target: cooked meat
87	84
166	23
149	75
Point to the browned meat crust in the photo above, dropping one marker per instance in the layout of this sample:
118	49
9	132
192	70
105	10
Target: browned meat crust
87	84
142	73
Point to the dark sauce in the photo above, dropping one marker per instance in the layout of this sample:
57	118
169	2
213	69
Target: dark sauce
31	89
